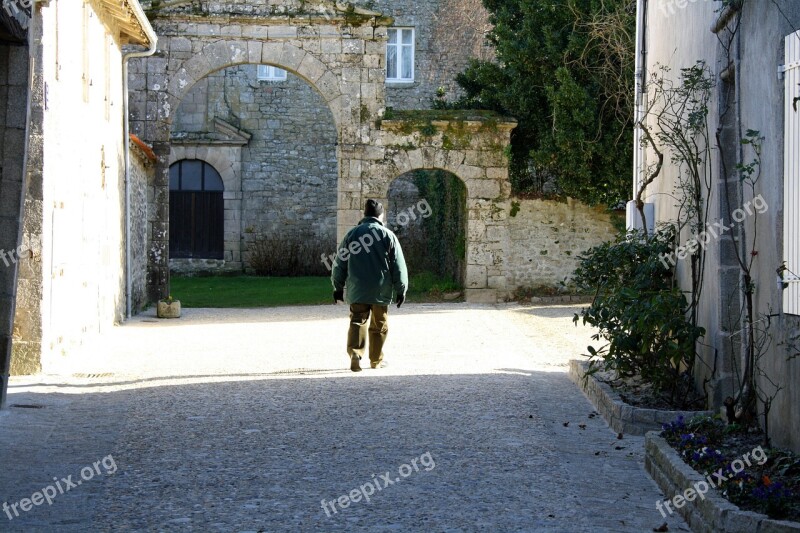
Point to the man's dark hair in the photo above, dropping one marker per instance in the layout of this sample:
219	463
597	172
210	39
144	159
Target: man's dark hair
373	208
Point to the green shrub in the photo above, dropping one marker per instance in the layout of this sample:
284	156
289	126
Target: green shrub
640	310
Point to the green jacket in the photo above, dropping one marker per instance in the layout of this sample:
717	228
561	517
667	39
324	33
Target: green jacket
370	264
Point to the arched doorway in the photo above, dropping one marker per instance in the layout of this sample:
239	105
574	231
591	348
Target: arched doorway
274	138
196	211
427	211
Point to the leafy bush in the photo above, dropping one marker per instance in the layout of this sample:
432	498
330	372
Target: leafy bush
282	255
640	310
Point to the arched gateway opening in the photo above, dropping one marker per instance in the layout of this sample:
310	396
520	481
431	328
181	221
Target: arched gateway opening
427	211
274	138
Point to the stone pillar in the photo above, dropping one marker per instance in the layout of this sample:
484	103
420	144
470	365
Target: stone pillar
158	253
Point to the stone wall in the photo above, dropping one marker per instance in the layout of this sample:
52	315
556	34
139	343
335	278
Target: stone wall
448	34
546	238
288	167
74	287
141	191
13	115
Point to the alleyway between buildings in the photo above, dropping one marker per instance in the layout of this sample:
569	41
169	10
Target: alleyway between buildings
249	420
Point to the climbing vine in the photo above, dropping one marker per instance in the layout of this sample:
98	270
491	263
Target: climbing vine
445	229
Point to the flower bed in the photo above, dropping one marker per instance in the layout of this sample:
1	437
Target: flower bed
732	461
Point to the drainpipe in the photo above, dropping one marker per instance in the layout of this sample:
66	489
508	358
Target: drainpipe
633	219
153	39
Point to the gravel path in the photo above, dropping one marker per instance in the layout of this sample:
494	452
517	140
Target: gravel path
248	420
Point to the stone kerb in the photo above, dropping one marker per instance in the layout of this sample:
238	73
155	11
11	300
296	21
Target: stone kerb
712	513
620	416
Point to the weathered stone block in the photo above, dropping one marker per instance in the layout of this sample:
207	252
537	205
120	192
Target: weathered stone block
282	32
271	53
481	296
292	57
481	188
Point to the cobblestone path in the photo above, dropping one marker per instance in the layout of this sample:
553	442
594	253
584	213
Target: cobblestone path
249	420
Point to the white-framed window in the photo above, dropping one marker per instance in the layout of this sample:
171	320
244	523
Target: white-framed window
400	55
270	73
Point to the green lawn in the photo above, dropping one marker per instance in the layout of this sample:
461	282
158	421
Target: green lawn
252	291
249	291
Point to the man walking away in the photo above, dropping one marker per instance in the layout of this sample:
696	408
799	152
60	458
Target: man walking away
370	265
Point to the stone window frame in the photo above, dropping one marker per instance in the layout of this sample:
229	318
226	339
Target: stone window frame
413	46
273	73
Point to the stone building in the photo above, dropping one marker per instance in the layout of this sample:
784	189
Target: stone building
63	174
278	158
751	51
273	139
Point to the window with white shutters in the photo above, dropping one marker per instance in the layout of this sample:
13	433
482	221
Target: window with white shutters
791	176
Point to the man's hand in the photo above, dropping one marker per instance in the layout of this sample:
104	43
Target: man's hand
338	296
400	299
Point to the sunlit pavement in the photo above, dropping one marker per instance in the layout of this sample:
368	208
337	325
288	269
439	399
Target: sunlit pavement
250	420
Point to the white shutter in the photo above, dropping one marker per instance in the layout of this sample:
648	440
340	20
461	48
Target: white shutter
791	174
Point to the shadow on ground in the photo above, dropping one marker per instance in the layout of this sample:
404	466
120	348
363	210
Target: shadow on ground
261	454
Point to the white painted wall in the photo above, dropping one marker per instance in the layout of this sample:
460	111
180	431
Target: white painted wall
678	37
83	216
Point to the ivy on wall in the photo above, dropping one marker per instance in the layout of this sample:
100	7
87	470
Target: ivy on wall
442	249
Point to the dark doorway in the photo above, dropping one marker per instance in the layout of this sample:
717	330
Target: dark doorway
196	211
427	211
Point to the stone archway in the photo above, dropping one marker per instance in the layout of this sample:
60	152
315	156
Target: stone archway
340	53
427	210
471	147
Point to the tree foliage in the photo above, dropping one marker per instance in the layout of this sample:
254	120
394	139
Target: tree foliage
565	70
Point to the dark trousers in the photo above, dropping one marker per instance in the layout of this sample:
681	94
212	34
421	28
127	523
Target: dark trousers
378	329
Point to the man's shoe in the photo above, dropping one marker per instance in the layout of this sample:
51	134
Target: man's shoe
355	366
379	364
